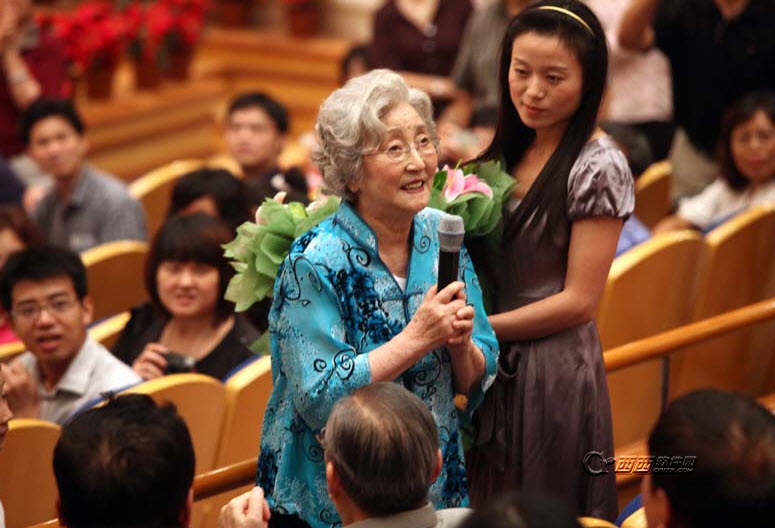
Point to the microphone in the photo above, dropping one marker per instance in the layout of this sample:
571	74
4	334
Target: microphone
451	233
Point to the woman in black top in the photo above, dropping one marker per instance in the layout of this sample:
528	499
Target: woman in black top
186	277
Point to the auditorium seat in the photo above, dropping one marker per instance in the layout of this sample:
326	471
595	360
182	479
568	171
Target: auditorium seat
737	269
154	189
200	400
27	485
247	393
115	275
652	193
8	351
594	522
649	289
107	331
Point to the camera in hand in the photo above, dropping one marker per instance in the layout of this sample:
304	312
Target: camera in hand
178	363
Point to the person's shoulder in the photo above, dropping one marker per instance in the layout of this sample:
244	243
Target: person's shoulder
317	244
429	217
109	371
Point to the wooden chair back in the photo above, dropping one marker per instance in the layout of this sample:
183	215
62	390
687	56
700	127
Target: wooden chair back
107	331
652	193
27	486
649	289
594	522
200	400
153	190
247	393
8	351
115	275
738	269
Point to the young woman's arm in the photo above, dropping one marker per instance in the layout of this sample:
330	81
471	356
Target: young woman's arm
592	248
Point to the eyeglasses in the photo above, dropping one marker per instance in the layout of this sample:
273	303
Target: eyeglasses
30	312
399	151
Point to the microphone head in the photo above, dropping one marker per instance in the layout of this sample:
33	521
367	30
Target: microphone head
451	233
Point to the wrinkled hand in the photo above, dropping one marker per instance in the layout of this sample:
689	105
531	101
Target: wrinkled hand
433	322
248	510
151	363
22	391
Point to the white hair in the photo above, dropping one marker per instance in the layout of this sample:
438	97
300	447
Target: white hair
350	122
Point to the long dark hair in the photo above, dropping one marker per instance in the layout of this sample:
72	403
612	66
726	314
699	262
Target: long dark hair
548	194
742	111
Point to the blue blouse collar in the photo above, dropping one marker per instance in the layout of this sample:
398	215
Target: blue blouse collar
362	233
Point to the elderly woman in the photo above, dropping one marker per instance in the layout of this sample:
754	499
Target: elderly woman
355	301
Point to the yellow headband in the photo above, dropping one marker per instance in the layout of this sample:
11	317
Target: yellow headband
571	14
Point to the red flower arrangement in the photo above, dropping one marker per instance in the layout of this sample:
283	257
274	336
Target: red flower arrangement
163	26
93	34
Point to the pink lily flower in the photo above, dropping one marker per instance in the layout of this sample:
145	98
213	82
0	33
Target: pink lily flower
458	183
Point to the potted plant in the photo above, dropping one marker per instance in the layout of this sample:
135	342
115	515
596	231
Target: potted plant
94	39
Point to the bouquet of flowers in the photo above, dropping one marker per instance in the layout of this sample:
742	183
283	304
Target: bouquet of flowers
260	247
475	193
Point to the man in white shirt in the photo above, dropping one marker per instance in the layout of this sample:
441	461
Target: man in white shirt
44	292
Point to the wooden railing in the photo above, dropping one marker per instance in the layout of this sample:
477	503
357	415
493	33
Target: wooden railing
662	345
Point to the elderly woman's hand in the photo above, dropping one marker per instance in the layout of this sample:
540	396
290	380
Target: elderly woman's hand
433	324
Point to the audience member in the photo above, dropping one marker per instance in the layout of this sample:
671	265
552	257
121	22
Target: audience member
523	510
381	450
85	207
746	159
5	417
466	125
356	62
713	464
420	39
256	133
32	64
127	464
718	51
476	65
11	188
44	291
215	192
186	276
638	94
17	232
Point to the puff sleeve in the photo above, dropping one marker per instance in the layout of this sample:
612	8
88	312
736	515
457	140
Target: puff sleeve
600	184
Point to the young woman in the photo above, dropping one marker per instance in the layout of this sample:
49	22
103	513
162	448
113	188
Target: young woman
549	405
186	276
746	158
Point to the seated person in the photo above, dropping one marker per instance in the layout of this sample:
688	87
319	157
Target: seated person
127	464
381	448
17	232
746	158
215	192
356	62
731	479
186	276
85	207
523	510
256	133
11	188
43	290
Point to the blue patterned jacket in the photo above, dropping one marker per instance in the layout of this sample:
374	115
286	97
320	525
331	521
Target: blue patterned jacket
334	301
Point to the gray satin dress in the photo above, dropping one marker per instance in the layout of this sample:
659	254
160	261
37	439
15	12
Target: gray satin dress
549	405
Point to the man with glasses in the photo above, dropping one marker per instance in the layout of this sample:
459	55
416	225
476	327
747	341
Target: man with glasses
44	292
